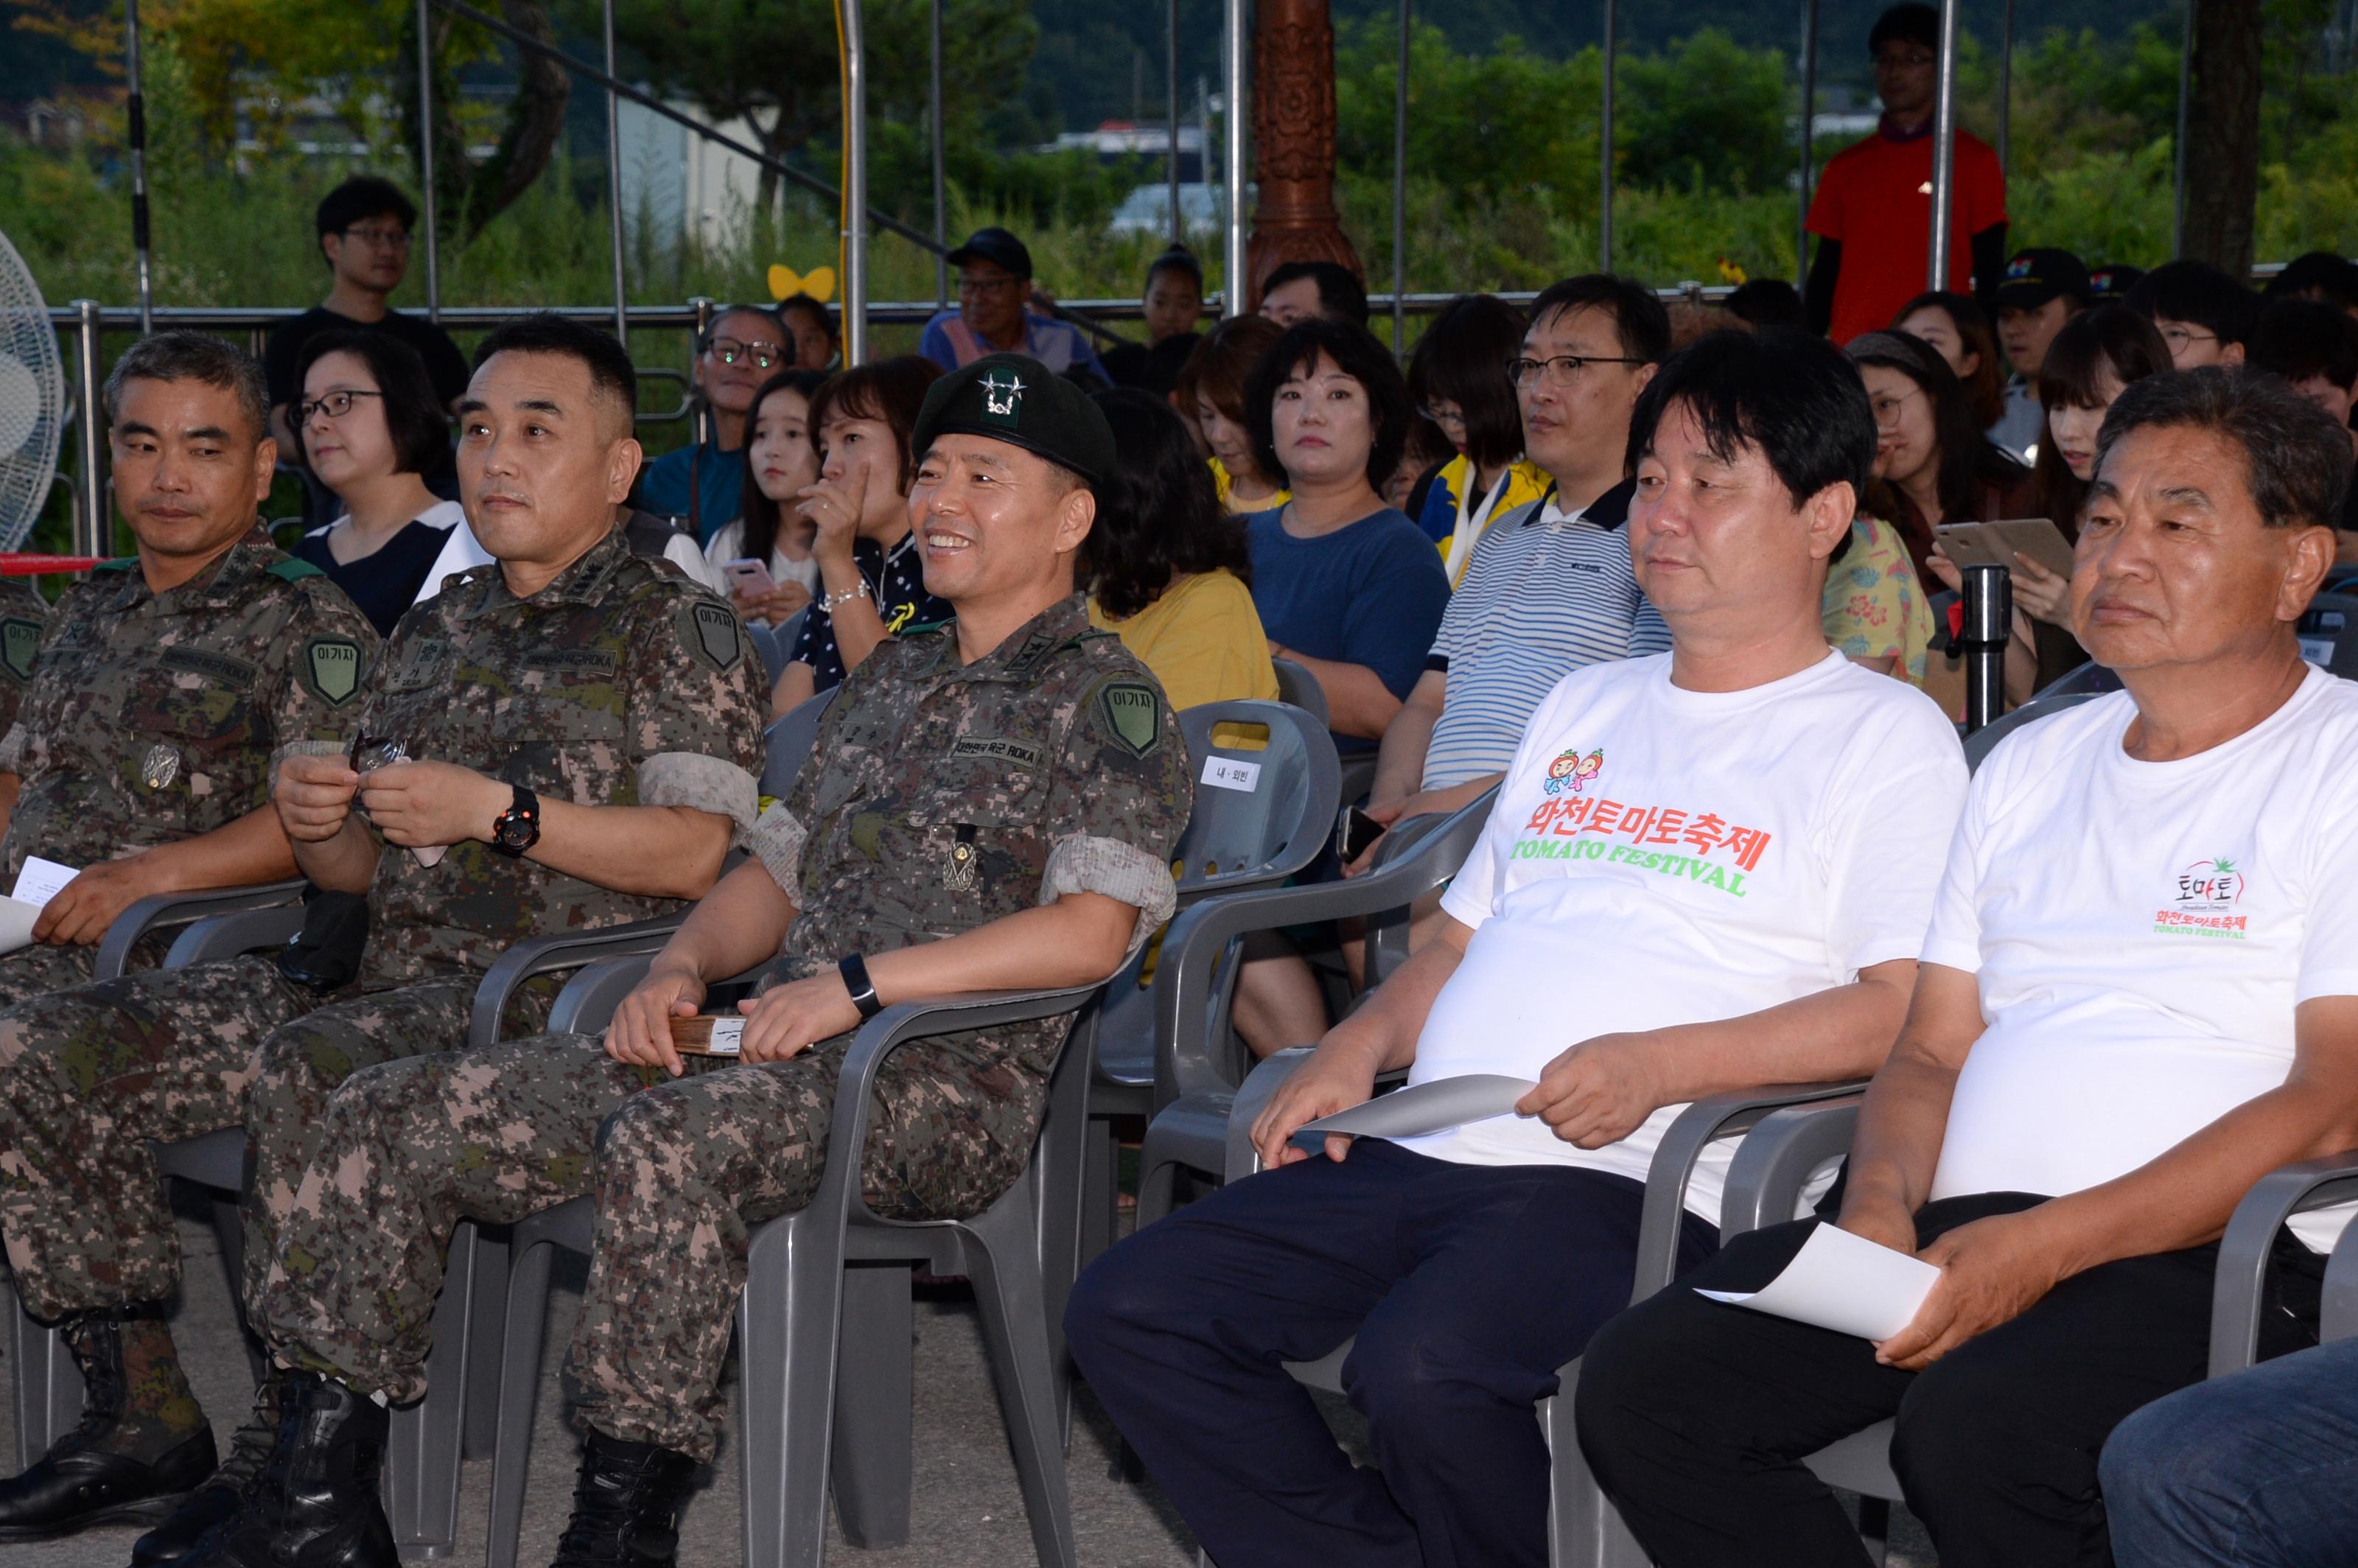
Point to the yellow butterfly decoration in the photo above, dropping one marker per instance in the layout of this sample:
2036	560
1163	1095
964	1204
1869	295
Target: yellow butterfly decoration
785	282
1729	272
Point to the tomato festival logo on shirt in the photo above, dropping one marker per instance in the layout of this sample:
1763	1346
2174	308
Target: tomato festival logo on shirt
2203	901
1571	771
1559	830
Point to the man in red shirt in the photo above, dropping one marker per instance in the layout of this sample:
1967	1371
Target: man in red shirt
1872	215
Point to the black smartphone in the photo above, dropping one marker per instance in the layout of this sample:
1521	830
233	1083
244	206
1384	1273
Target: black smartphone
1354	831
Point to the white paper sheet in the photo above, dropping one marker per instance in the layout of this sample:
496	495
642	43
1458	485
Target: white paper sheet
1424	1108
17	925
41	880
1845	1282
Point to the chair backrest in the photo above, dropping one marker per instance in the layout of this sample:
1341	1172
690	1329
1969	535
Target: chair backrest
1300	689
788	741
2091	680
2329	633
1259	814
1979	744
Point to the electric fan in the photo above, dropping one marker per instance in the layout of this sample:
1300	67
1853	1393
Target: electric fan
32	399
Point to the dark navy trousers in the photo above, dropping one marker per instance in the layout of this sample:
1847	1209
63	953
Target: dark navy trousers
1467	1286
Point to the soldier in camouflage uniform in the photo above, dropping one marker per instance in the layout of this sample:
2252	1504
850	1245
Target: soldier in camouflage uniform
614	712
140	727
991	805
23	614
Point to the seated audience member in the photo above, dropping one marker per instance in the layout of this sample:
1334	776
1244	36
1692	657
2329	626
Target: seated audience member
1211	392
811	332
1167	570
2137	997
994	313
2042	289
2314	346
1072	872
1959	331
24	616
1874	610
2324	276
372	430
2203	315
1330	291
2110	285
1932	464
1422	457
1760	302
1707	869
363	236
781	461
1347	586
1550	588
743	347
871	582
2257	1470
148	704
1174	304
611	793
1455	379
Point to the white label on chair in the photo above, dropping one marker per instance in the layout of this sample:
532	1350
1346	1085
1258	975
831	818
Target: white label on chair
2317	650
41	880
1228	772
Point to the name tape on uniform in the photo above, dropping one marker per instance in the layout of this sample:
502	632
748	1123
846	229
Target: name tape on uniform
1228	772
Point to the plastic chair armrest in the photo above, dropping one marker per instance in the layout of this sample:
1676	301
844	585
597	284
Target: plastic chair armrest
219	937
2239	1287
536	956
1774	1162
166	909
586	1005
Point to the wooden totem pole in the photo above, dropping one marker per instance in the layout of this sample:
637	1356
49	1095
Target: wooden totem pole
1294	142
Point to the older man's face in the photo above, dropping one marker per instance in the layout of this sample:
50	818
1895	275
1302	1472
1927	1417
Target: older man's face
2174	566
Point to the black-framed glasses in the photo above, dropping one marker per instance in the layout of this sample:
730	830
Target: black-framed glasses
729	350
1560	370
335	405
1444	418
384	239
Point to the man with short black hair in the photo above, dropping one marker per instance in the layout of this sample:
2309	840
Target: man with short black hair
994	313
1172	304
1707	869
2314	346
363	236
2137	997
1873	210
2043	287
1299	290
2203	315
742	347
2326	275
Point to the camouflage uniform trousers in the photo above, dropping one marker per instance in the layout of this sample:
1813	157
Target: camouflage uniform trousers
89	1076
681	1169
41	968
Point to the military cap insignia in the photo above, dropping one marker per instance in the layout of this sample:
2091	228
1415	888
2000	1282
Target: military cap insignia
160	767
20	639
1131	711
331	669
713	632
1002	398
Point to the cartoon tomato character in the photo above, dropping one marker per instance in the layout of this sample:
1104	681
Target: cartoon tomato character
1572	770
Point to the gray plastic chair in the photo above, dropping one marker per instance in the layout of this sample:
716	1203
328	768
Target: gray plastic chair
1982	741
825	1325
788	741
2329	633
1297	687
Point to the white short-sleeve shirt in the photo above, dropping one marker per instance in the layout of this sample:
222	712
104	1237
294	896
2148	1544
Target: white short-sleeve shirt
1660	856
2140	933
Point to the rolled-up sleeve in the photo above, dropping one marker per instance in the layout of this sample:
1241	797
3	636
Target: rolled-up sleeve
1117	870
1122	793
776	841
701	783
12	750
695	695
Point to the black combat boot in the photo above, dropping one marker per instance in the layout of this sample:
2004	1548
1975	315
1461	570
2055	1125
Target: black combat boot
213	1503
315	1504
132	1456
626	1506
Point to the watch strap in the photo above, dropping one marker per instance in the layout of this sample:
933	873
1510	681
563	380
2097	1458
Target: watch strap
854	969
523	809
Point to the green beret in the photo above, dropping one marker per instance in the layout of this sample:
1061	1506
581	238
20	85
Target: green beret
1016	399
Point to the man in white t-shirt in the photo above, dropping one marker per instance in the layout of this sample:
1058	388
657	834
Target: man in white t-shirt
2139	994
1707	869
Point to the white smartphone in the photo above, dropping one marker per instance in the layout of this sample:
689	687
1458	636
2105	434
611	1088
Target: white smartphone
748	576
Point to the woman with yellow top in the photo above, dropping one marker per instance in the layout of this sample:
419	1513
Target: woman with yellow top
1211	392
1167	569
1458	379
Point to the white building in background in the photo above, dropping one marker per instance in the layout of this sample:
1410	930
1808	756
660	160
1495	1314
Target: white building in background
680	184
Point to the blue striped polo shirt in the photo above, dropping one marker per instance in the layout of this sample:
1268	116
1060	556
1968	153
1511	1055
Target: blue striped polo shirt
1545	594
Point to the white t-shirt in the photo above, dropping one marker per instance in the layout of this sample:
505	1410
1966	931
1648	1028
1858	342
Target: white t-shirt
2140	933
1661	856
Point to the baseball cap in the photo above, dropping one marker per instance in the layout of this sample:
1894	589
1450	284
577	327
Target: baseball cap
2041	273
996	246
2109	282
1016	399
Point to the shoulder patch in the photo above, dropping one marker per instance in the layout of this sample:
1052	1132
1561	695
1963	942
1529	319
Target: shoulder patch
330	669
20	639
711	632
119	564
1131	714
292	571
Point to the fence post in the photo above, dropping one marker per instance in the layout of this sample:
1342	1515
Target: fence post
90	531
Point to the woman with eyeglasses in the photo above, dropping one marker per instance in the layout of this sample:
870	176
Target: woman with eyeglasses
1932	464
704	483
1457	381
372	430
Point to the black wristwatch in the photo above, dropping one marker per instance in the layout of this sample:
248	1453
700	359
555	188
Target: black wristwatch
854	969
517	829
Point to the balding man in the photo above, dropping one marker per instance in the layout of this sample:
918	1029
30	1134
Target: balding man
2138	995
565	739
991	806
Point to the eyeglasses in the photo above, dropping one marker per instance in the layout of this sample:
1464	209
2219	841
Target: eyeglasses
2179	339
1447	418
335	405
382	239
729	350
986	286
1910	60
1886	408
1561	370
371	753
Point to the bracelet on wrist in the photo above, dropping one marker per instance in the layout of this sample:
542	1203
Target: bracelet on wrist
830	601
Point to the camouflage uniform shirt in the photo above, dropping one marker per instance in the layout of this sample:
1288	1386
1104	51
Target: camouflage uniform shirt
634	687
152	718
24	615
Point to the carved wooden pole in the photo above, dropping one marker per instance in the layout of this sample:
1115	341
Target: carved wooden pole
1294	142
